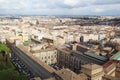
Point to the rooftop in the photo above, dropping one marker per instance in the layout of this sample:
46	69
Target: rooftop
109	63
43	50
91	66
96	56
67	74
116	56
65	50
90	57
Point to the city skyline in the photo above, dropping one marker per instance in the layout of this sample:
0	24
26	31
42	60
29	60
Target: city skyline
58	7
60	47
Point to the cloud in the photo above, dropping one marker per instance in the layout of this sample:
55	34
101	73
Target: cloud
67	7
71	2
98	10
107	2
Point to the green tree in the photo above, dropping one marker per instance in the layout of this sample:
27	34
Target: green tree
3	47
4	50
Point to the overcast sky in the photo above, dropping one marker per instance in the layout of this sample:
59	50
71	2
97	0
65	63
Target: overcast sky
60	7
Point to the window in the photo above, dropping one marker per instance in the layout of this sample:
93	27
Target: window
45	57
55	56
51	56
48	57
55	52
51	59
45	61
62	72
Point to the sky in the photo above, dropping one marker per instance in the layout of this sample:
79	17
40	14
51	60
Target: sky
60	7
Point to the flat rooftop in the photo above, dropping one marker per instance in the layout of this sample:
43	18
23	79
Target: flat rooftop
96	56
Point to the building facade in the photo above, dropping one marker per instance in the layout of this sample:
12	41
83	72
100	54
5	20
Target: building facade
93	71
65	59
49	56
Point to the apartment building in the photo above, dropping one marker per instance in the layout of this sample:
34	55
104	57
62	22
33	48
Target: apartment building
48	56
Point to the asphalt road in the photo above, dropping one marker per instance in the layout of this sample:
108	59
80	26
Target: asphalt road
36	68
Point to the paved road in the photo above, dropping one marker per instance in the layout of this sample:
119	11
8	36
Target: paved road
37	69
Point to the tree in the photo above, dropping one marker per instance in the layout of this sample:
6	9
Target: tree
3	47
4	50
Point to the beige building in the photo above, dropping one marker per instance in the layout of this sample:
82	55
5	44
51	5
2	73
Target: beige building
110	67
59	41
93	71
49	56
66	74
116	72
23	37
108	77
